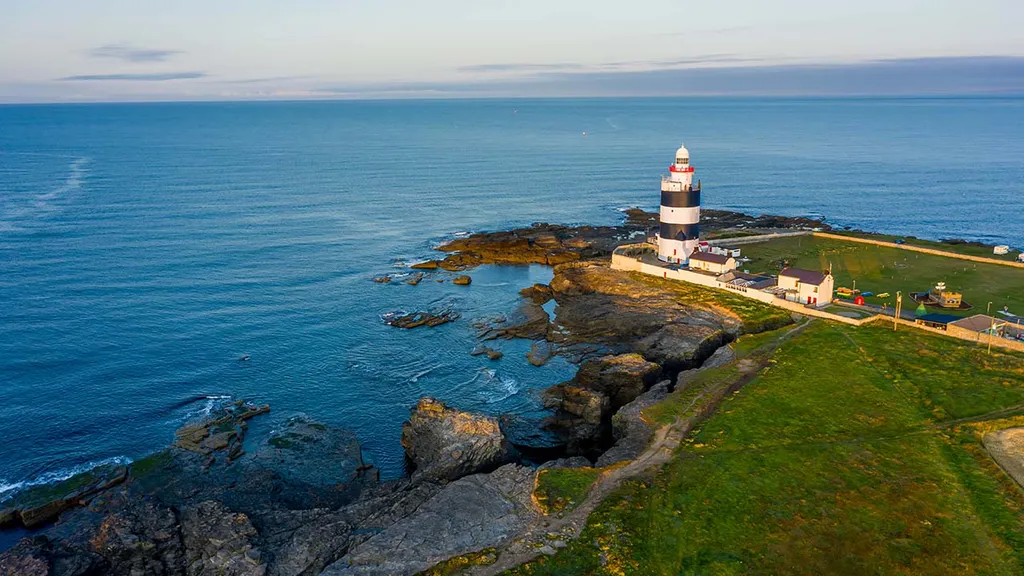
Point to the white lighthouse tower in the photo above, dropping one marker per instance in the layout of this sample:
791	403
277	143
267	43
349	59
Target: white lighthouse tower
680	211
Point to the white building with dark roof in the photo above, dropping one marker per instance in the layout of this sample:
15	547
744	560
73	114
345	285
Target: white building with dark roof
807	286
715	263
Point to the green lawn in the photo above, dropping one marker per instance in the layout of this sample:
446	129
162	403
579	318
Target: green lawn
881	269
972	249
845	455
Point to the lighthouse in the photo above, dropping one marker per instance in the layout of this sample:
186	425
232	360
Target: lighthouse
680	211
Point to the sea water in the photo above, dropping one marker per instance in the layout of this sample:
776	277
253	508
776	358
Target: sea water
147	249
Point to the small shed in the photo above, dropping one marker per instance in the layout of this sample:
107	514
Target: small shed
939	321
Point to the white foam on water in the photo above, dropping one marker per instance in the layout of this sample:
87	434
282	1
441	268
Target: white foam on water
416	377
497	387
42	203
8	490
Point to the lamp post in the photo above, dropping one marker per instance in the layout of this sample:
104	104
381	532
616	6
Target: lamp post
896	315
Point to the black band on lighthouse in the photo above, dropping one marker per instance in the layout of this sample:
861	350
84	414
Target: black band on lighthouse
686	199
680	231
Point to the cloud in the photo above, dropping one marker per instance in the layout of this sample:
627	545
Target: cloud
519	67
129	53
153	77
981	75
266	80
539	68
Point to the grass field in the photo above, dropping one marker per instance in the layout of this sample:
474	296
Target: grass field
855	451
881	269
982	250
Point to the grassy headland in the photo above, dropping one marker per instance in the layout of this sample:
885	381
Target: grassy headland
853	451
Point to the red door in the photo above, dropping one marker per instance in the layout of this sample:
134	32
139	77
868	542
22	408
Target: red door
808	300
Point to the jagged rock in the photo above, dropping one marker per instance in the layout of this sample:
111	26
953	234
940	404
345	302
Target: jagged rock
385	279
580	416
446	444
680	346
219	542
468	515
462	280
721	357
415	279
620	378
632	434
304	541
428	265
538	293
7	517
417	319
140	538
540	353
40	556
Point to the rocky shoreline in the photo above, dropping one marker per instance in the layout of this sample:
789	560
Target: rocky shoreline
301	500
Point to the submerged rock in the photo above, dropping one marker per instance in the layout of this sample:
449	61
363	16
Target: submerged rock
417	319
491	353
446	444
540	352
415	279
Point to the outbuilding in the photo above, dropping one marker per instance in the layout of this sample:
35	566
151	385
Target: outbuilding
807	286
939	321
709	262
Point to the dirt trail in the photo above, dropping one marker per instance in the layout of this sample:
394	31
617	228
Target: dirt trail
524	547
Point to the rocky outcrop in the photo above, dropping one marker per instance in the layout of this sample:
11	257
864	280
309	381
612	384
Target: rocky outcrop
417	319
580	417
446	444
627	313
619	378
42	505
632	434
538	293
219	542
462	280
471	514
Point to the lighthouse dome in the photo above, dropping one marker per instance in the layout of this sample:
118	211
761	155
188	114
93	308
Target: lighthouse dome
682	154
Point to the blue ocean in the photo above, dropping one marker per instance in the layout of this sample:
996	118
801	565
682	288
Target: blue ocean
145	249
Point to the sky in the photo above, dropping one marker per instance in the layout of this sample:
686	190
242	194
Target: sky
121	50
